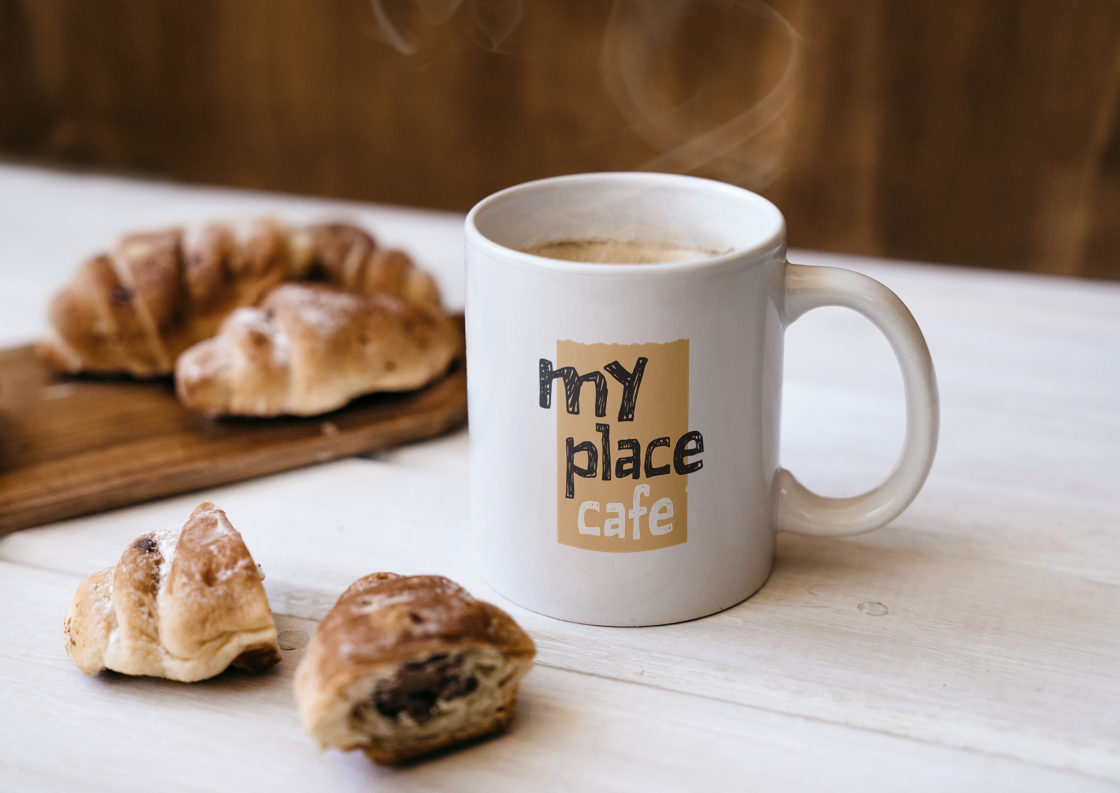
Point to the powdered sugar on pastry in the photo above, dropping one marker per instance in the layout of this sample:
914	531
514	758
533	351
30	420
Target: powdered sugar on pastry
259	328
183	605
311	348
136	308
321	311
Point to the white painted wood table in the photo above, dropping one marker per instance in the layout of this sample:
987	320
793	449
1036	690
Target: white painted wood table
974	643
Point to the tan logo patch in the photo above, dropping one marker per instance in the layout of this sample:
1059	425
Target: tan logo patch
623	447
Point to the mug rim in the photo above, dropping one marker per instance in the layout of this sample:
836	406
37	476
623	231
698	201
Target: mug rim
769	243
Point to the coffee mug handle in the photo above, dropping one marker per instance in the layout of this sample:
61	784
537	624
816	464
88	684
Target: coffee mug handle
800	510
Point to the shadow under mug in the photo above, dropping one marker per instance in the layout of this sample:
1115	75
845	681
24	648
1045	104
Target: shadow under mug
624	417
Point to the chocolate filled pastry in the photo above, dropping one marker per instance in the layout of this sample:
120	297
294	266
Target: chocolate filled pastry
404	665
134	309
311	348
182	605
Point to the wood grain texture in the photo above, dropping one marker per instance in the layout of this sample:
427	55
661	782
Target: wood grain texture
976	133
79	445
571	732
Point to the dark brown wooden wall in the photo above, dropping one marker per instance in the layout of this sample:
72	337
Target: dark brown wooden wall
983	132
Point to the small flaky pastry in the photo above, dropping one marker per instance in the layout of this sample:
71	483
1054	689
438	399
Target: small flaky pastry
135	309
404	665
182	605
311	348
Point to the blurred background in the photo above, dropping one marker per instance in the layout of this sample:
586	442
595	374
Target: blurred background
976	132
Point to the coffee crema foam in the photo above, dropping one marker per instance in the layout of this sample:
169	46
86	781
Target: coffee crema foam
616	252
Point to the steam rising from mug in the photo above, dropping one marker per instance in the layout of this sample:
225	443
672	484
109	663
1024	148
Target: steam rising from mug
749	148
668	110
491	22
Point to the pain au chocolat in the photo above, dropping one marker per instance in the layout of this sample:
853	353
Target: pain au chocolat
404	665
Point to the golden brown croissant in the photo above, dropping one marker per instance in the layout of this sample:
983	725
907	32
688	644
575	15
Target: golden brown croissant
182	605
311	348
403	665
137	308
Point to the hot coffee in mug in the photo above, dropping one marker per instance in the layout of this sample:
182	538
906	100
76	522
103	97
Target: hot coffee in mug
604	251
624	346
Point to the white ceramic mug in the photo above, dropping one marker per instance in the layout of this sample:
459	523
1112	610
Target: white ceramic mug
624	418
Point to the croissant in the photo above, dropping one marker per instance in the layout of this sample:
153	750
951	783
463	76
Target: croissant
137	308
311	348
182	605
404	665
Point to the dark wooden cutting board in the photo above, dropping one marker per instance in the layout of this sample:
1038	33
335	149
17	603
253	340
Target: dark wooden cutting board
70	446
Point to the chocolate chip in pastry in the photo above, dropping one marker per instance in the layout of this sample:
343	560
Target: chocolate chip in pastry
404	665
182	605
